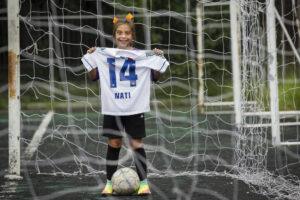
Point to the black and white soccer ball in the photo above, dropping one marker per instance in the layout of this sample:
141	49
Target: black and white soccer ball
125	181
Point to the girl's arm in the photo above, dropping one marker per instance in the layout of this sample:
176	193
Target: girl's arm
155	75
93	74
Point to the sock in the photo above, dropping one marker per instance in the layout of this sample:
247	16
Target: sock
144	182
139	156
111	156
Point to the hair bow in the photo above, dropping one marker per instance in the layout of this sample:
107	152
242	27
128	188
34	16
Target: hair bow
115	19
128	16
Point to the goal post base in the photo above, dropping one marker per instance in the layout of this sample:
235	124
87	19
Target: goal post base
13	177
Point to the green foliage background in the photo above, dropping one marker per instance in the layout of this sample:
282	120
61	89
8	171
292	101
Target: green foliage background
167	33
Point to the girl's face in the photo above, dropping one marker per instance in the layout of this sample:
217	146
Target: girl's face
123	37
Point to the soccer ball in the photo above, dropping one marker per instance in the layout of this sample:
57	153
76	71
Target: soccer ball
125	181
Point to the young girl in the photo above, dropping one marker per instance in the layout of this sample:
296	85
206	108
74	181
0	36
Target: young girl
124	106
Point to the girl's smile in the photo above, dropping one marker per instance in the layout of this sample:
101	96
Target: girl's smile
124	37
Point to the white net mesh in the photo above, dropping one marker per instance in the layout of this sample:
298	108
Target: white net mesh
254	145
180	141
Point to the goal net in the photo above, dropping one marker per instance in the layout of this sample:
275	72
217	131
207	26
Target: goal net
191	129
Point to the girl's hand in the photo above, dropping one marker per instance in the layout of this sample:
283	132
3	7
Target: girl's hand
158	51
91	50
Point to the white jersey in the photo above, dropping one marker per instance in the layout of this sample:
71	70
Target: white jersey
124	78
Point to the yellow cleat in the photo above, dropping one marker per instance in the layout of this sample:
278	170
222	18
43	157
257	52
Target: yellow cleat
144	190
107	191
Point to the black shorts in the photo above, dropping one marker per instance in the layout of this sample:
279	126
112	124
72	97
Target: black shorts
132	126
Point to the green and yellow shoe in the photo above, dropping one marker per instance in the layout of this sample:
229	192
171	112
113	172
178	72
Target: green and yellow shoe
144	188
108	190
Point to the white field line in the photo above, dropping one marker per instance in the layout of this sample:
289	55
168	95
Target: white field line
31	148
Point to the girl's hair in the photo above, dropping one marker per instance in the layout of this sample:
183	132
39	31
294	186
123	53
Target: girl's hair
121	21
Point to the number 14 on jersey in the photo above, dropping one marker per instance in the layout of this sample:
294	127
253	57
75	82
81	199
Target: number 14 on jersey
128	64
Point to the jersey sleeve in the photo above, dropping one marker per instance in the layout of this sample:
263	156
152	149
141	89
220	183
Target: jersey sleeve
158	63
88	61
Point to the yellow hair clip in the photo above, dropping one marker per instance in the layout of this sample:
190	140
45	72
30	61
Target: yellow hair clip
129	16
115	19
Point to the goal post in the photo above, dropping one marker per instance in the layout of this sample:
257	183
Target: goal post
234	11
199	12
272	69
14	106
236	58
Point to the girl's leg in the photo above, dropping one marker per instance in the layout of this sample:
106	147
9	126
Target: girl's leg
112	156
139	156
